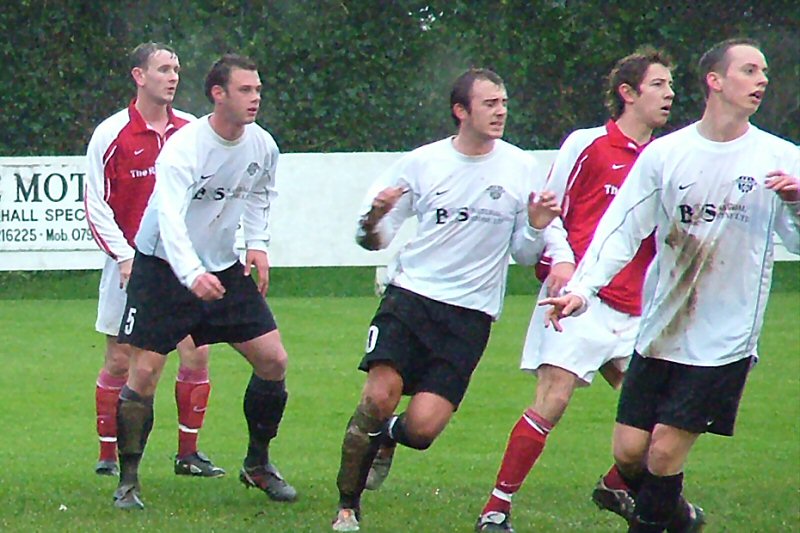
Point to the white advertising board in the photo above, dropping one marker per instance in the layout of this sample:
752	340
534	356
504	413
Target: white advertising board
43	223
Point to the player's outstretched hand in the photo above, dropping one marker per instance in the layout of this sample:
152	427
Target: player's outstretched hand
258	259
208	287
562	307
787	187
542	209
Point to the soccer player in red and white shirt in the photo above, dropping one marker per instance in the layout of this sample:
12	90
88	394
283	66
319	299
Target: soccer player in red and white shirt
714	192
590	167
121	162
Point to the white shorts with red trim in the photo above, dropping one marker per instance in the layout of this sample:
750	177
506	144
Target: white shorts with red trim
588	341
111	300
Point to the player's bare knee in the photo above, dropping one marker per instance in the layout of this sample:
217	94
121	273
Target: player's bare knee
118	357
117	366
194	357
379	402
629	456
663	459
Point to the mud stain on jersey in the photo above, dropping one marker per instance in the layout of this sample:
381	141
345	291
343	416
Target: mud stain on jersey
694	261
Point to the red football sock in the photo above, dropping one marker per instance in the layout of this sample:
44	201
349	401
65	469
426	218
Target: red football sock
525	445
192	389
106	395
613	479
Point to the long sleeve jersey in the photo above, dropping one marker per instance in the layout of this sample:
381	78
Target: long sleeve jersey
205	185
121	160
472	215
714	222
589	169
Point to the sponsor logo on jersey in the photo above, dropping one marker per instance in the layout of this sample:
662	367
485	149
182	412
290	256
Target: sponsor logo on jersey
252	168
220	193
746	183
697	213
495	191
142	172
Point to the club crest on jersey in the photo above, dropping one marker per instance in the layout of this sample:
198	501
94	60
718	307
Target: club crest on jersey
252	168
746	183
495	191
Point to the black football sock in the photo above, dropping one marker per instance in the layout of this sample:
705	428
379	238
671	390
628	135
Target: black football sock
361	440
656	503
134	422
264	403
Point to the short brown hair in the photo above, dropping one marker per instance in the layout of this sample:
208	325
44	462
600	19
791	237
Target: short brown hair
462	87
631	70
140	55
716	58
220	73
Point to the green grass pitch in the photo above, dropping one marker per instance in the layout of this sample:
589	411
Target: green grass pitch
50	356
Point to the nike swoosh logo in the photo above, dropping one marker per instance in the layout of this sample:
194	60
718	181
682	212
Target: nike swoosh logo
206	177
139	151
617	167
439	193
684	187
373	434
196	410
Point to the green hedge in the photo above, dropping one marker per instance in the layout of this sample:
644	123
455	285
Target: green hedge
359	75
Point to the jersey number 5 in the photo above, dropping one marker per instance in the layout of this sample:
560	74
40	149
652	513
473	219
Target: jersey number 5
130	320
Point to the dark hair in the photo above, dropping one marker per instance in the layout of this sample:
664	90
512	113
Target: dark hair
631	70
220	73
716	58
142	53
462	87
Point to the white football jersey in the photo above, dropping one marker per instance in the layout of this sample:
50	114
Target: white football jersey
206	185
714	219
472	215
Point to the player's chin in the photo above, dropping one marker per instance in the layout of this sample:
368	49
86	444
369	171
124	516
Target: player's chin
496	132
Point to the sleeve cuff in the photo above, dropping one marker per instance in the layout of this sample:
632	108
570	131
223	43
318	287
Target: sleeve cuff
259	245
192	276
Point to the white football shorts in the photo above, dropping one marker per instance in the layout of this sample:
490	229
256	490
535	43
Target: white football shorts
111	300
599	335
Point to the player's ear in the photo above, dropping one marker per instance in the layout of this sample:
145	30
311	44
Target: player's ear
627	93
713	80
460	112
137	73
217	92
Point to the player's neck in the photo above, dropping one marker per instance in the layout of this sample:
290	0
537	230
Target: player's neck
155	114
722	123
633	128
229	131
472	145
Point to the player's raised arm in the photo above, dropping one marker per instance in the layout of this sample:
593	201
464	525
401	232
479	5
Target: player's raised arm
386	205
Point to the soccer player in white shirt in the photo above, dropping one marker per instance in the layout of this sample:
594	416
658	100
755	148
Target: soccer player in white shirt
475	199
714	192
187	277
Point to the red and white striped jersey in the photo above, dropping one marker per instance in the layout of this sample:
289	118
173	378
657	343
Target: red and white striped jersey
121	159
590	168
